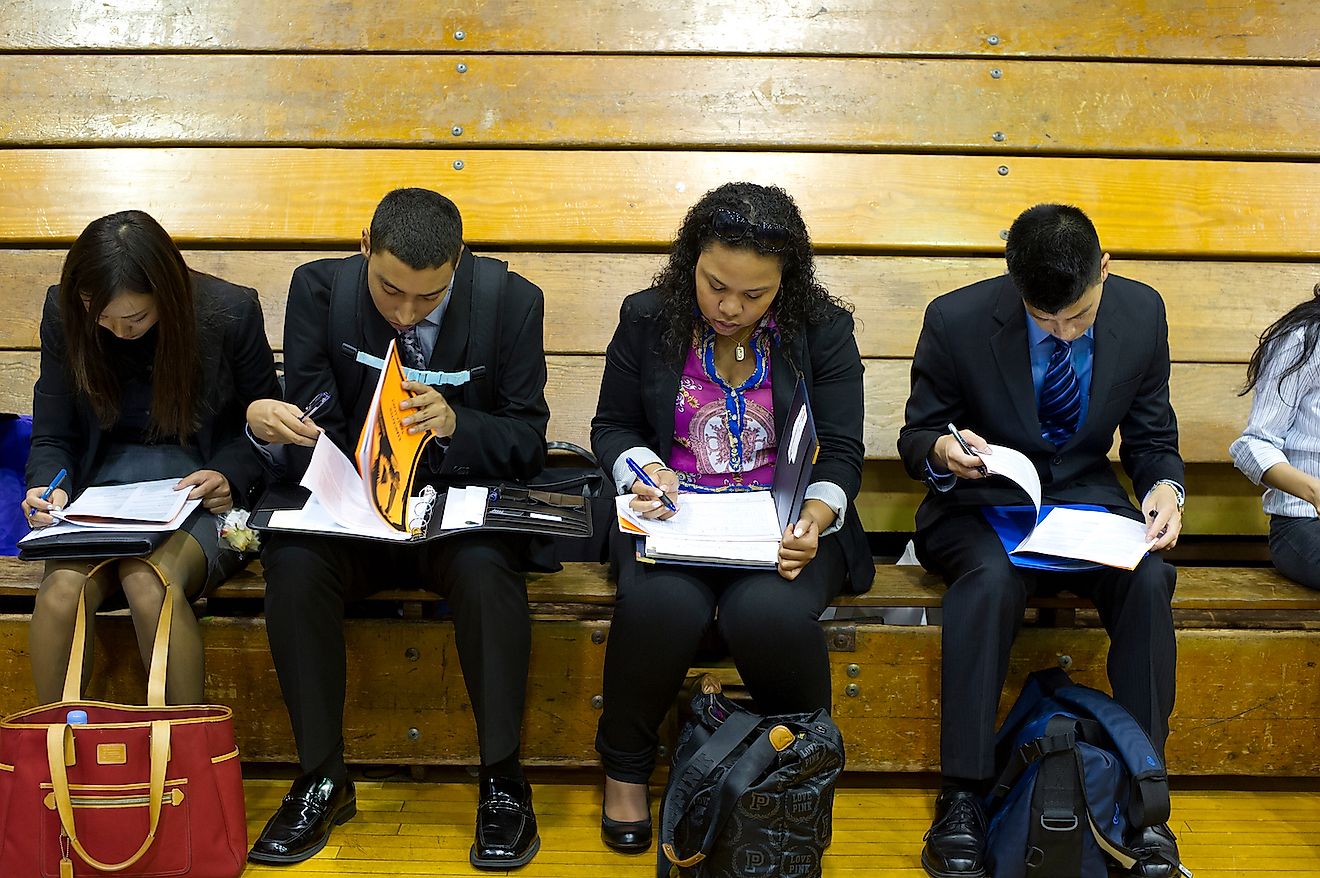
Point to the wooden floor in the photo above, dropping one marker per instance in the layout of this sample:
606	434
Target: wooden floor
406	828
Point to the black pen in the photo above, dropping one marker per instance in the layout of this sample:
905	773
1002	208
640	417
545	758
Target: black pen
967	449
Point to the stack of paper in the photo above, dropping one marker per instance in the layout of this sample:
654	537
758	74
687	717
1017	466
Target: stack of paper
739	529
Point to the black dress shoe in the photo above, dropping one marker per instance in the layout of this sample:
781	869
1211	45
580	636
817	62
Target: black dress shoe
302	824
506	826
1157	852
626	836
955	843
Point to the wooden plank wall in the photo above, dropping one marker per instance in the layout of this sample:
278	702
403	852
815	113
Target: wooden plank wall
574	135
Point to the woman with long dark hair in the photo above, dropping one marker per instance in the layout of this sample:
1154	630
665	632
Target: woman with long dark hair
147	369
1280	447
697	383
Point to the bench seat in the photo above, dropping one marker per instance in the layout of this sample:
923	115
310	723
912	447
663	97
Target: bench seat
1249	695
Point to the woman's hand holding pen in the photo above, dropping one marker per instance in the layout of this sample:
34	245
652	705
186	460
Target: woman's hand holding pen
801	540
948	455
647	503
37	511
212	487
281	423
430	410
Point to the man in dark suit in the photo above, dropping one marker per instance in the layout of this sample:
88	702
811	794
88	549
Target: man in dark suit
1049	360
449	310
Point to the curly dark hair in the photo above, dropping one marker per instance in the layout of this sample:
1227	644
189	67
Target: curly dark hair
801	300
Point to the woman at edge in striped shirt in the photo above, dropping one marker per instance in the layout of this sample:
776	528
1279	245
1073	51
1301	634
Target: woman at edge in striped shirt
1280	447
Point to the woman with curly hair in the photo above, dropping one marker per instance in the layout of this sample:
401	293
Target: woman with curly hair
1280	447
698	379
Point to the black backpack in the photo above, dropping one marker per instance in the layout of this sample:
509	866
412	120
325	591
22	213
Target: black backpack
749	795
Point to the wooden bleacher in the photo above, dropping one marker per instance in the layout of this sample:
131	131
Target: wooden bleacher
573	139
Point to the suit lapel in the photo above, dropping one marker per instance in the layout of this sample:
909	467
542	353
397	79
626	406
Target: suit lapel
1009	345
451	342
1104	362
784	373
661	385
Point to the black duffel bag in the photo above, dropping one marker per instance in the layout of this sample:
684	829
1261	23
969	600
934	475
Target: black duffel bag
749	795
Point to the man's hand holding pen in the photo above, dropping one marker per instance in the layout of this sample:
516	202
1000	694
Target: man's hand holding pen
959	452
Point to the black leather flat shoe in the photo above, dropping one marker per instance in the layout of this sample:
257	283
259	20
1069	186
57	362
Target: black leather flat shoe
506	825
955	844
301	826
625	836
1157	852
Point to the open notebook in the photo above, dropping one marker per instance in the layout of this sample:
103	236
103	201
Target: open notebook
1059	537
735	529
112	521
373	498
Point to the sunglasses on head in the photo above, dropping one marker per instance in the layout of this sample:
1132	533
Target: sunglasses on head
731	226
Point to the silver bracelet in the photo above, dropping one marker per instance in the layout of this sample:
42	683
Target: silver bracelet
1179	492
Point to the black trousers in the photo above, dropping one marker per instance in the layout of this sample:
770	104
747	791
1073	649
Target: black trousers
661	614
983	612
308	581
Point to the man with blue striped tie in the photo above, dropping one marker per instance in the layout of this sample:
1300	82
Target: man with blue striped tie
1051	360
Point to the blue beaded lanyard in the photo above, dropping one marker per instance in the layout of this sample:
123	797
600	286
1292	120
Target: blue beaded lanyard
735	404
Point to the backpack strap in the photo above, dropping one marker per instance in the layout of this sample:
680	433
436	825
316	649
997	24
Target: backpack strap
345	325
1149	805
745	772
1059	818
490	278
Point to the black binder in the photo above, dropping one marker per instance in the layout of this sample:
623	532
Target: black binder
512	508
92	544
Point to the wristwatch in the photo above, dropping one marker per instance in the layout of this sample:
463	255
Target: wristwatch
1178	491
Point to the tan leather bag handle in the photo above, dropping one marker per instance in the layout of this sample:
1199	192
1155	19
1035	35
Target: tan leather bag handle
160	650
58	738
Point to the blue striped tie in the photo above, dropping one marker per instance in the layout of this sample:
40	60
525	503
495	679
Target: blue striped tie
1060	396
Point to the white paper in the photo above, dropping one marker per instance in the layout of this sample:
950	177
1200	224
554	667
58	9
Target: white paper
745	516
1100	537
335	483
1016	466
155	502
464	507
314	517
690	548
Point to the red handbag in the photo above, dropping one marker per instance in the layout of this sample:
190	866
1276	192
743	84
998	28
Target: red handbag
136	791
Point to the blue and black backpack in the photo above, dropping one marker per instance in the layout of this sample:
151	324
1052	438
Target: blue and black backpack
1078	775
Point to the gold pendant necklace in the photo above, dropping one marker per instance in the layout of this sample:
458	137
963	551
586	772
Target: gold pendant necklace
740	352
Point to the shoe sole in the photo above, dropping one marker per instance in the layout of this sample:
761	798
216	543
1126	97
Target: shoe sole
342	816
936	873
502	864
627	848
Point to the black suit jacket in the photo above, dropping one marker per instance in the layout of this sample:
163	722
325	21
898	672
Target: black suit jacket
972	368
237	368
505	441
640	387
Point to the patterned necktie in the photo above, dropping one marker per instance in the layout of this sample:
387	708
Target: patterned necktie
1060	396
410	349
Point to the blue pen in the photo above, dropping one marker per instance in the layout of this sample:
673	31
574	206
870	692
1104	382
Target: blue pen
45	495
646	480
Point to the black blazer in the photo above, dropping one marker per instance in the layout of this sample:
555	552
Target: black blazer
503	441
237	368
639	389
972	368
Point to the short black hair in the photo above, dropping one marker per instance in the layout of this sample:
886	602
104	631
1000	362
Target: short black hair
423	229
1053	255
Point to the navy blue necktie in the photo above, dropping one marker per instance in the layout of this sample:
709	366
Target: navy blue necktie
1060	396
